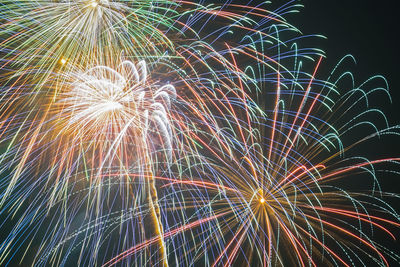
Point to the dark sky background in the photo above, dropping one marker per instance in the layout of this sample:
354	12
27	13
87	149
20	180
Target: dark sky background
367	29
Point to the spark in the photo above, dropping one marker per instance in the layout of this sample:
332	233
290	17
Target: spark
94	3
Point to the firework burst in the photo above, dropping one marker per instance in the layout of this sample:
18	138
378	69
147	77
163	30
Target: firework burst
179	133
271	192
57	32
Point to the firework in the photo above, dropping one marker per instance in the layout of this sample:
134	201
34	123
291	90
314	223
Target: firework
172	132
270	193
57	32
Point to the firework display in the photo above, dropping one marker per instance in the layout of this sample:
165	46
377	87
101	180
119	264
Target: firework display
185	133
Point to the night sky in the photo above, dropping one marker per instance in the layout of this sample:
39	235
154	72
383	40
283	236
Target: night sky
366	29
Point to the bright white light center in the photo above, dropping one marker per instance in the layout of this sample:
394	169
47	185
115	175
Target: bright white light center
262	200
94	4
111	106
